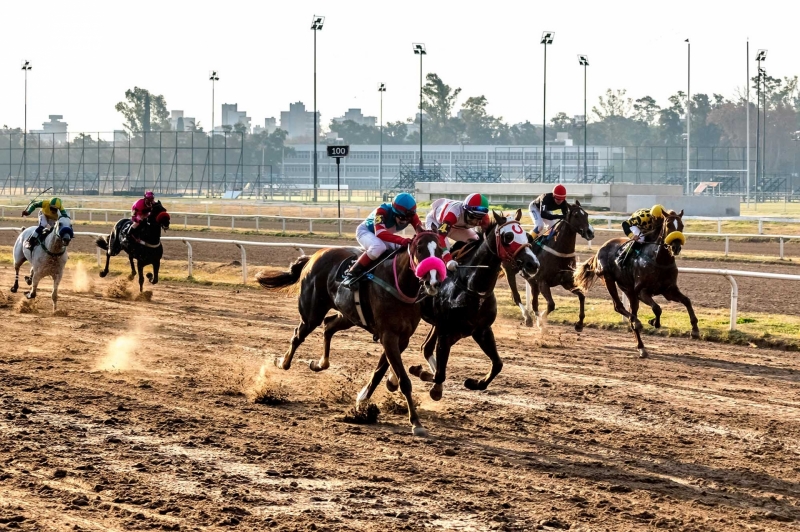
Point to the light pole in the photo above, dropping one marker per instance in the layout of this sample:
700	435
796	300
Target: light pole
761	55
688	113
547	38
419	49
381	90
583	60
316	25
213	76
796	139
26	66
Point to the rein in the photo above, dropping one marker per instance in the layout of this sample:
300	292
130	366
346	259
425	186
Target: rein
505	256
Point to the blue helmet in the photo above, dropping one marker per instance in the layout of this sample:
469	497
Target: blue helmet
404	204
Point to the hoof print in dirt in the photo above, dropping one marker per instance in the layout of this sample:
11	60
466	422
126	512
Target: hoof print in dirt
365	414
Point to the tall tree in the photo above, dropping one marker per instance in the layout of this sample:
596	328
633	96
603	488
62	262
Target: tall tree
439	100
355	133
479	126
395	133
646	110
134	111
615	103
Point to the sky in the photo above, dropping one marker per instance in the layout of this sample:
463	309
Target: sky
86	54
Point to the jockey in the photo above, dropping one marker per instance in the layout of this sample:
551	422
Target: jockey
641	222
49	213
377	233
456	219
543	208
141	210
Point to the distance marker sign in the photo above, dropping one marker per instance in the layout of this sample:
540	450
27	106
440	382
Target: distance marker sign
338	151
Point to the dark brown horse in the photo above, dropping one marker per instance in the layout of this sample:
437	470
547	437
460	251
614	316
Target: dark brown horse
556	254
466	304
388	304
649	271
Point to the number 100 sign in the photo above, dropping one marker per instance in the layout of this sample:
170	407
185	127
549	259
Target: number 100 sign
338	151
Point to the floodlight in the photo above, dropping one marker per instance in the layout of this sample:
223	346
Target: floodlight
213	75
547	37
382	87
26	65
419	48
317	23
583	60
761	55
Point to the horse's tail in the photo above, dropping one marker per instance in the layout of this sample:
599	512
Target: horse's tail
586	275
276	281
102	242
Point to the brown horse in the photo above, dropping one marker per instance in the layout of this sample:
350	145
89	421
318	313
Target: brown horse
651	271
384	303
556	254
466	304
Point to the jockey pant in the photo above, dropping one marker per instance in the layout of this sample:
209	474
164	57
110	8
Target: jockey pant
373	245
633	230
540	225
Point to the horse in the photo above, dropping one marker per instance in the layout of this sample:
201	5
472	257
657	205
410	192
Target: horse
652	271
556	254
48	257
391	312
466	304
148	251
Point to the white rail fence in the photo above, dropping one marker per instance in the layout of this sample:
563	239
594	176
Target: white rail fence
730	275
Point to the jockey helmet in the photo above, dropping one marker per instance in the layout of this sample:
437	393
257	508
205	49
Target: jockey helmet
656	211
149	195
560	192
55	203
476	205
404	205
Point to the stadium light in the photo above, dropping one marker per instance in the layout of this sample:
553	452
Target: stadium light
213	77
381	90
583	60
316	25
26	66
419	49
761	55
547	38
688	114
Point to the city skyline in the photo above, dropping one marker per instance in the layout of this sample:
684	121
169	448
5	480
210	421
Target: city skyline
644	57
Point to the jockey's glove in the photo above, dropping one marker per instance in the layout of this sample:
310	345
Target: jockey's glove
452	265
25	213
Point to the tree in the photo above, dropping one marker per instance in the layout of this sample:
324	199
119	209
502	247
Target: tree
669	120
355	133
439	99
395	133
271	145
478	125
614	104
646	110
133	110
525	134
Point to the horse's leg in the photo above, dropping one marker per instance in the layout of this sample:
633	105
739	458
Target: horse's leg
29	277
311	317
140	267
331	325
17	266
154	278
611	286
133	268
367	391
108	254
535	302
392	382
54	295
636	325
675	294
392	346
485	339
443	345
35	278
551	305
648	300
428	347
511	276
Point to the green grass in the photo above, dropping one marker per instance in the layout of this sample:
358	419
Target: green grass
756	329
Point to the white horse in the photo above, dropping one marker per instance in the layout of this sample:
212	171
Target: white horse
47	257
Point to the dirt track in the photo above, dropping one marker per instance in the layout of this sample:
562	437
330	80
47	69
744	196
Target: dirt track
574	433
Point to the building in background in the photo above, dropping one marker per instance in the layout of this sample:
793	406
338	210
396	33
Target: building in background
298	122
358	117
54	131
178	122
270	125
231	116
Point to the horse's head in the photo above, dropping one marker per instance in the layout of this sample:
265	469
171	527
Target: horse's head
159	215
672	230
63	230
426	261
512	244
578	219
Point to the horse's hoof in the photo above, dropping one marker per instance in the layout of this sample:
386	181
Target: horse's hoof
28	280
436	394
695	333
392	385
363	395
28	295
414	370
131	276
14	289
422	432
316	366
279	362
103	274
474	384
579	327
528	321
643	353
654	323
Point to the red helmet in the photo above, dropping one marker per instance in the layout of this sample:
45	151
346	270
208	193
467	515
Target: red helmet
149	195
560	192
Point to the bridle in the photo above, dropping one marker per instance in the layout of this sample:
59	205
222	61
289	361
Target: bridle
509	256
412	249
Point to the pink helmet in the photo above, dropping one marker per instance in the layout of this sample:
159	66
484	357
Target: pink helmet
149	195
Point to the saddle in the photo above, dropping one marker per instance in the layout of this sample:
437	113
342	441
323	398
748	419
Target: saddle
358	290
631	247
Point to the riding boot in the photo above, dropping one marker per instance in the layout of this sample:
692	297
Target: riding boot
356	270
34	238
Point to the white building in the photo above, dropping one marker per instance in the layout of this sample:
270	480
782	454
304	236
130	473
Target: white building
54	131
232	116
178	122
358	117
298	122
270	125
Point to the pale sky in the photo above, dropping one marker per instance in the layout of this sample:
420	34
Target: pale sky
85	54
